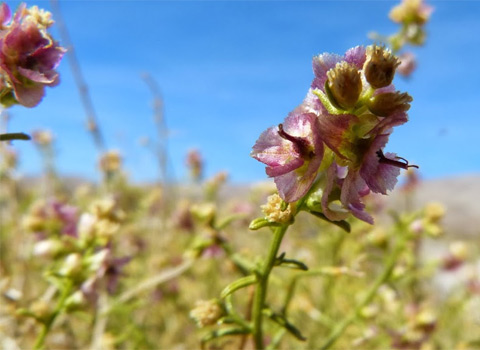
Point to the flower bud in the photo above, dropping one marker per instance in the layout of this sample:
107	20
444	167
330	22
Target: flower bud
206	313
379	68
388	103
344	85
47	248
72	265
459	250
111	161
434	212
411	11
205	212
75	302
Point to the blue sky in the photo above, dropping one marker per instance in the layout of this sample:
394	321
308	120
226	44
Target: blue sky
230	69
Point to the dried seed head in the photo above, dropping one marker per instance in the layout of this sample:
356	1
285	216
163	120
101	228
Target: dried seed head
344	85
388	103
379	68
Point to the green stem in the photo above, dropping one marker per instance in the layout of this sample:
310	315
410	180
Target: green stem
381	279
47	325
261	290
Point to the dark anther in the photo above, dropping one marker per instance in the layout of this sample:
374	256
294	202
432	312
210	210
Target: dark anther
404	164
301	145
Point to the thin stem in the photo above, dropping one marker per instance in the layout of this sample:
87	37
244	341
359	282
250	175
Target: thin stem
261	290
381	279
47	325
14	136
92	119
151	283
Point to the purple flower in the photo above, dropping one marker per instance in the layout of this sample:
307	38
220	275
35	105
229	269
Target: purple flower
349	111
28	56
293	152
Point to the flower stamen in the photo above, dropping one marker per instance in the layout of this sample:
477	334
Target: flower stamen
301	145
402	165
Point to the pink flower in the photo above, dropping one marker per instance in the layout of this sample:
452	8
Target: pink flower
349	111
293	152
358	136
28	56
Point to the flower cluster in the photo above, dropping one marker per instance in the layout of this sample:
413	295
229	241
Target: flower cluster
338	133
28	55
81	246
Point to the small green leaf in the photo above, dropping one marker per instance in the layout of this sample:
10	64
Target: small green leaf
228	220
291	263
258	223
282	321
238	284
218	333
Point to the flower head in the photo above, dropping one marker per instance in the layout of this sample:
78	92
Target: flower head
28	56
340	131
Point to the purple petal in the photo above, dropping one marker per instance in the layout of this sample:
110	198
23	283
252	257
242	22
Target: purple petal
35	76
321	65
353	188
356	56
386	124
380	177
278	154
29	96
295	184
332	177
5	14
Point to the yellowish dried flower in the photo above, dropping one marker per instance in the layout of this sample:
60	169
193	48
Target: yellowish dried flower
434	212
411	11
379	68
111	161
344	85
273	210
206	313
42	137
388	103
458	250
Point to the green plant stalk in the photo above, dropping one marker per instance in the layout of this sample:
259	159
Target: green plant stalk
47	325
261	290
381	279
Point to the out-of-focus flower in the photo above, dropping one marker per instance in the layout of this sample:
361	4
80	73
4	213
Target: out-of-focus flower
52	217
9	159
458	253
411	11
28	55
43	138
194	163
182	217
101	222
408	63
106	268
206	313
110	161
